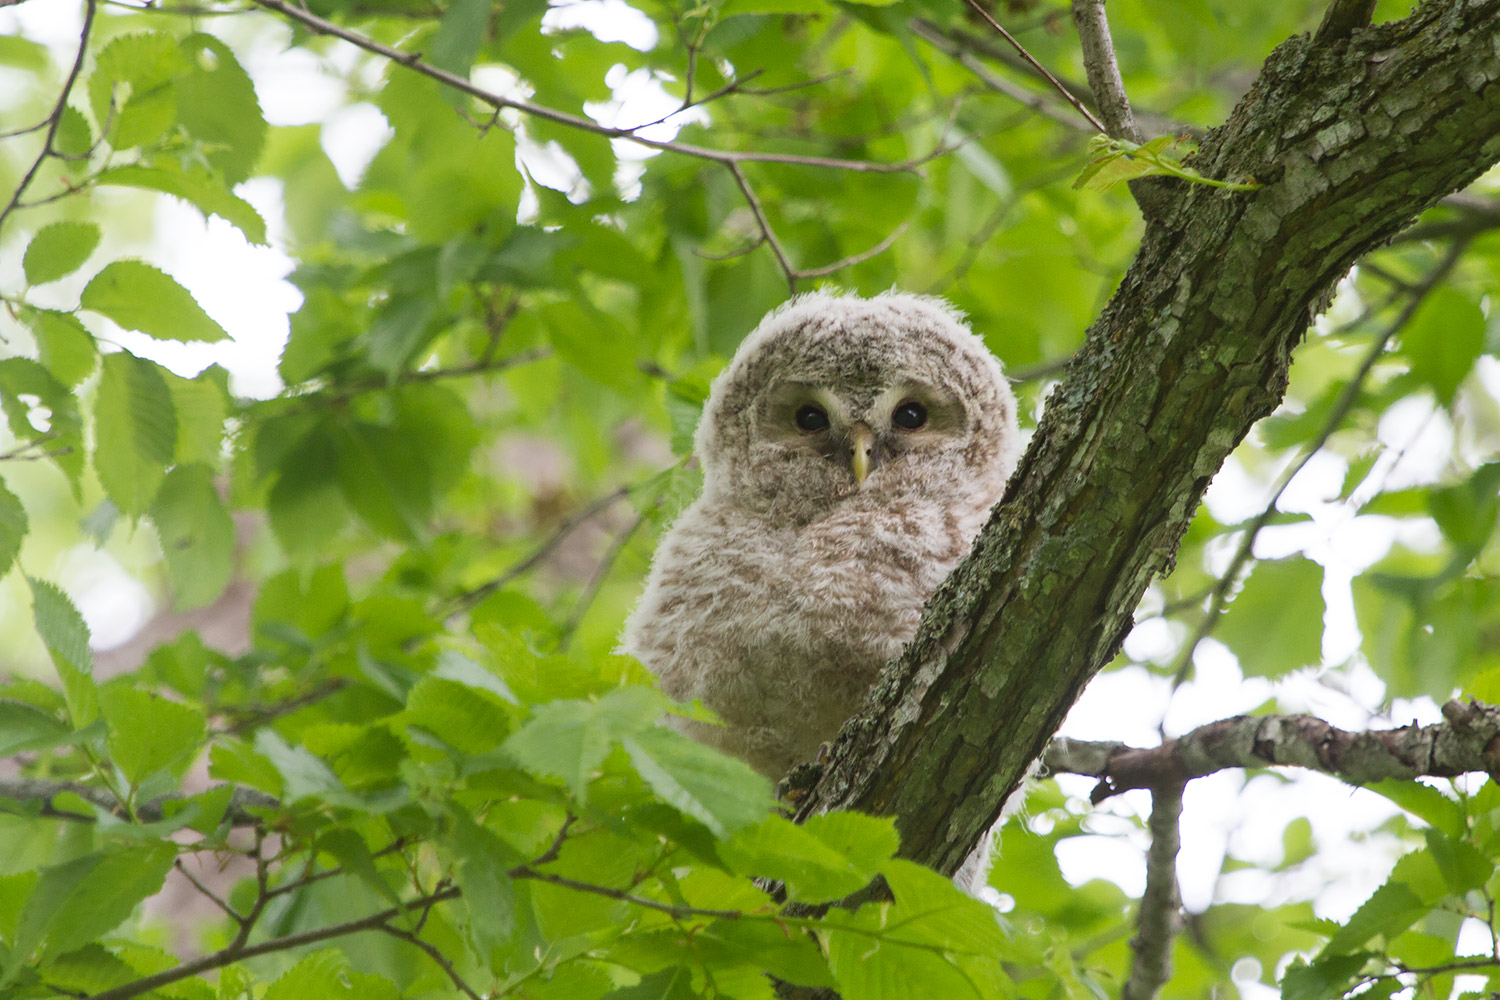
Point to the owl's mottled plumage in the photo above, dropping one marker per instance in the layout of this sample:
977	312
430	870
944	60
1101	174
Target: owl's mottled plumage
778	595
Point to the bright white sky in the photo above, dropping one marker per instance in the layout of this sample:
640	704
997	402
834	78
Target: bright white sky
243	287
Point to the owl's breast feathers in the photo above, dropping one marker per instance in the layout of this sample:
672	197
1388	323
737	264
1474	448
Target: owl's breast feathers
781	630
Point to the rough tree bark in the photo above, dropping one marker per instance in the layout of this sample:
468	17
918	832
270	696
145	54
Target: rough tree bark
1351	137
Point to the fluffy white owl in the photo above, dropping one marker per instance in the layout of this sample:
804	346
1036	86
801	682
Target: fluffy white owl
851	452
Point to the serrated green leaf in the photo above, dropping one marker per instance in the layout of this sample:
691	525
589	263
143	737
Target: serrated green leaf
570	739
135	431
66	637
13	527
148	734
132	89
1391	909
1275	625
1325	978
488	892
237	762
197	535
721	792
1424	802
328	976
23	728
58	250
470	721
41	410
78	901
216	104
201	413
139	297
812	870
211	195
64	346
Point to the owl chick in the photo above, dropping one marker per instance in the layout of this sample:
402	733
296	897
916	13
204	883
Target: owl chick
851	452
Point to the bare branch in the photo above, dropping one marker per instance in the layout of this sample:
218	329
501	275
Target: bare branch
1056	83
414	62
782	261
593	509
1468	741
54	120
858	258
1160	914
938	39
42	797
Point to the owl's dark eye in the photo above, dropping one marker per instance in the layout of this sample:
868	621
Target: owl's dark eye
910	415
811	418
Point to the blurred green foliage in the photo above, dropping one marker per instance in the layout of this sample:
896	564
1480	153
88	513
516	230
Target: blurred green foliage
389	593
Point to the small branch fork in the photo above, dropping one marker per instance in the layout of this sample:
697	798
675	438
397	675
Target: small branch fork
732	160
54	120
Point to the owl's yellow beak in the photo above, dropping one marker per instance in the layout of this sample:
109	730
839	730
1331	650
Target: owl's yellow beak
862	452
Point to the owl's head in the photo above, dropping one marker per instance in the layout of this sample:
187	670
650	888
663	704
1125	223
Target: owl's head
838	400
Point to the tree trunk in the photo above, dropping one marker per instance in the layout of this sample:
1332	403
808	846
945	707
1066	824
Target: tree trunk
1351	140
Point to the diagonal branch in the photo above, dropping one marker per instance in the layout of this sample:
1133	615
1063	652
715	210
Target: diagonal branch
1046	74
414	62
54	120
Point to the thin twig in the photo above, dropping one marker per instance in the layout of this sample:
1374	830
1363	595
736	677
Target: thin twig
206	891
596	581
1341	409
470	597
1056	83
54	120
858	258
1036	102
782	261
431	951
1159	916
1103	70
414	62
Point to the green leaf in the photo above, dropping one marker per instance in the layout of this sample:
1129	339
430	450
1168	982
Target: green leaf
41	410
197	535
236	761
1443	340
148	734
64	346
201	413
76	902
1390	910
1463	866
570	739
1424	802
488	892
24	728
13	527
1324	978
327	974
721	792
208	193
675	983
58	250
812	870
139	297
459	36
132	90
135	431
216	104
66	637
468	720
1275	625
